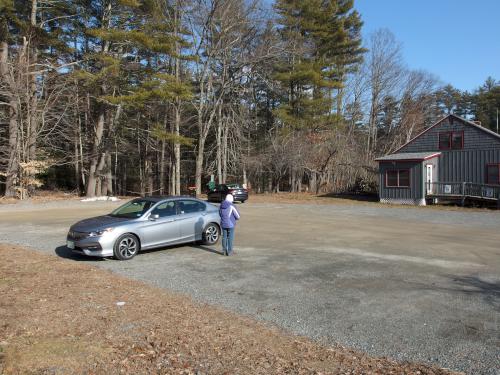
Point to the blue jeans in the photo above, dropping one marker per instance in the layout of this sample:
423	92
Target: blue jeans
227	240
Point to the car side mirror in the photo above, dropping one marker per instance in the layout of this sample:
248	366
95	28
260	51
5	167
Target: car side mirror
154	217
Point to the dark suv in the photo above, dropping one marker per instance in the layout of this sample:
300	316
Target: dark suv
219	193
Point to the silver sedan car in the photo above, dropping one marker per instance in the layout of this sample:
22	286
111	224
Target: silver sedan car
146	223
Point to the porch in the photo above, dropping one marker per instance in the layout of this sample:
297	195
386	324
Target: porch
463	191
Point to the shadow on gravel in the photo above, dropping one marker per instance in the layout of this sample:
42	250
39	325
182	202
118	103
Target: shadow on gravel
207	249
64	252
360	197
490	291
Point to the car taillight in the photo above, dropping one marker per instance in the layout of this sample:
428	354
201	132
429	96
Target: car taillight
231	191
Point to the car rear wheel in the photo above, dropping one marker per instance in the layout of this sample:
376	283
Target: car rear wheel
211	234
126	247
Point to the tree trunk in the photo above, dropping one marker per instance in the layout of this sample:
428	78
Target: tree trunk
313	185
141	171
219	146
199	164
13	164
33	120
109	175
177	150
245	179
162	168
102	183
224	151
81	155
94	159
32	117
123	185
172	177
94	184
76	162
149	176
177	105
12	171
77	138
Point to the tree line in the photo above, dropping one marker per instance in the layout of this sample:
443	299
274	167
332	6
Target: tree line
154	96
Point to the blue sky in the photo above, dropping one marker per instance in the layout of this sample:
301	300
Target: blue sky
457	40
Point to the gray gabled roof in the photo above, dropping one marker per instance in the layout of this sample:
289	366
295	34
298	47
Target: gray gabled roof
409	156
480	127
465	121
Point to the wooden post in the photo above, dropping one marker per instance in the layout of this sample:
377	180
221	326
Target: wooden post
463	194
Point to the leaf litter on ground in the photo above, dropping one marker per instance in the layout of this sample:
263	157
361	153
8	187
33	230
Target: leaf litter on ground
60	316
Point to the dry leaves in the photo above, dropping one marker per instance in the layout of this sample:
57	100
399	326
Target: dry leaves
58	316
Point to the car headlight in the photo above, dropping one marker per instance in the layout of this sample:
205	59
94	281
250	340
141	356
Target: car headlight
100	232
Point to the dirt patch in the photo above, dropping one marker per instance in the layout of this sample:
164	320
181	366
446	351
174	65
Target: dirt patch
61	317
349	199
43	196
307	198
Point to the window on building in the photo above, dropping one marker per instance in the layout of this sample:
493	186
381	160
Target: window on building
444	141
397	178
404	178
493	174
457	140
451	140
391	178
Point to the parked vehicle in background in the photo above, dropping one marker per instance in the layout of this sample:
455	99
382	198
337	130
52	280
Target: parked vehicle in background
146	223
219	193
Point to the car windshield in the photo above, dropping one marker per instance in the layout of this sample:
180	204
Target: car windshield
234	186
133	209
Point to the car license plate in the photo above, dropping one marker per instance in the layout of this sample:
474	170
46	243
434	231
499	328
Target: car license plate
70	245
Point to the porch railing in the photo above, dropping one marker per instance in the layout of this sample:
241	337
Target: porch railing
463	189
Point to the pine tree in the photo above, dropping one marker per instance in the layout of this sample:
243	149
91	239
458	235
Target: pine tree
323	43
486	104
130	48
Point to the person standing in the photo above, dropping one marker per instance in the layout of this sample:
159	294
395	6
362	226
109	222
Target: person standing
228	216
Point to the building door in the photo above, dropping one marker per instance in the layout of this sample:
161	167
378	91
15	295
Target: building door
428	178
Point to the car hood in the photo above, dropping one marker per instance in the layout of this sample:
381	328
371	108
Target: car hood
98	222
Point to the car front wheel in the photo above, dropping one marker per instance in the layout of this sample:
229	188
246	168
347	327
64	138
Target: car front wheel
211	234
126	247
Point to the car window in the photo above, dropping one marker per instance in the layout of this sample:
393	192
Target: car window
133	209
234	186
189	206
165	209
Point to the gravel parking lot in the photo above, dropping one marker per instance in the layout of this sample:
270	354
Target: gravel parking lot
408	283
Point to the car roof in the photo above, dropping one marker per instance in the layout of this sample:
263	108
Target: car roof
159	198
